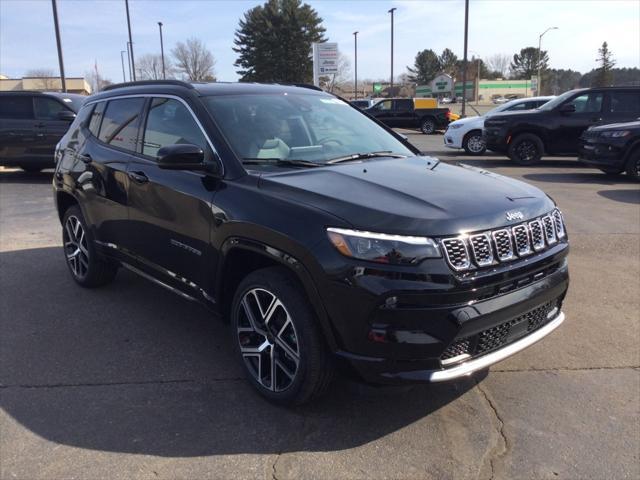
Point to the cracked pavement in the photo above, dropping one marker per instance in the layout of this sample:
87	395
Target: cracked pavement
131	382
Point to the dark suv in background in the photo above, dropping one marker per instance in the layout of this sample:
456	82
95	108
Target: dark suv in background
322	236
612	148
555	127
31	124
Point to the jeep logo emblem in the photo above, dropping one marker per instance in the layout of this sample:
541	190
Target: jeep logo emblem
517	215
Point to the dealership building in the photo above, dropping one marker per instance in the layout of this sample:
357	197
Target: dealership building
444	85
49	84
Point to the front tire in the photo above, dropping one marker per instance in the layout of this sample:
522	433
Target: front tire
633	164
473	143
428	126
87	267
278	339
526	149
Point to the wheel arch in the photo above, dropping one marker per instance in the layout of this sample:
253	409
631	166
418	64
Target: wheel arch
241	256
633	148
64	200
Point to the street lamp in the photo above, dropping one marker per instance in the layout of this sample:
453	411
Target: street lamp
124	79
133	64
391	12
162	51
355	48
538	90
59	44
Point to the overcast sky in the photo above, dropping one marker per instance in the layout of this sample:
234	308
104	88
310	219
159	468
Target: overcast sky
97	31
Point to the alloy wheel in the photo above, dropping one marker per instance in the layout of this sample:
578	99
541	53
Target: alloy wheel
526	150
428	127
475	143
268	340
75	246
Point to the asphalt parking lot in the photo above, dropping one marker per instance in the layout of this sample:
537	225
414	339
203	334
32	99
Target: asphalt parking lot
131	382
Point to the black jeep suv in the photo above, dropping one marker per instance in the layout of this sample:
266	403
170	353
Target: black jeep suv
612	148
555	127
321	235
31	124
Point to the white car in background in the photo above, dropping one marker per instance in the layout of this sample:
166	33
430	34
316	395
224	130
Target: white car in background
467	132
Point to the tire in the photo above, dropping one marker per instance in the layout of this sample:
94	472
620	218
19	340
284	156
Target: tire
473	143
428	126
87	267
633	164
31	169
526	149
272	322
612	170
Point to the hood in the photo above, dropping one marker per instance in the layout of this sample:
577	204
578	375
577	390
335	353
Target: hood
515	114
414	196
616	126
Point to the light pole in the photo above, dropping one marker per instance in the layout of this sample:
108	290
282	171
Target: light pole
133	64
59	43
464	60
355	49
129	60
477	77
124	79
538	90
391	12
162	51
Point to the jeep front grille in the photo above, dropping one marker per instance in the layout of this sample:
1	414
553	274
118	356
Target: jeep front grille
504	244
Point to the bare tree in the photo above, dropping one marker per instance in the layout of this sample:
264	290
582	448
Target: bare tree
96	81
149	67
499	62
48	80
194	61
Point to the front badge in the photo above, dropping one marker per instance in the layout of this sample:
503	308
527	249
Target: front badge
515	215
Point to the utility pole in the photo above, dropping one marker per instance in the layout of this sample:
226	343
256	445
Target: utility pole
164	76
59	43
539	80
391	12
355	47
133	63
464	60
124	79
129	60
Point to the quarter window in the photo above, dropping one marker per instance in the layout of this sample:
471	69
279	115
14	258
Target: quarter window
96	119
625	102
169	122
17	107
588	103
47	108
120	123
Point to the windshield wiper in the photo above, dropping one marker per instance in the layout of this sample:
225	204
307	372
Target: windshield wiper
279	162
364	156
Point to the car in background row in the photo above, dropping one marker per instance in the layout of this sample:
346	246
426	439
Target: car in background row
555	127
31	124
613	149
421	113
362	104
467	132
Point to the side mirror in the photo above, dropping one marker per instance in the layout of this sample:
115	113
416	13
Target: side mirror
66	115
568	108
181	156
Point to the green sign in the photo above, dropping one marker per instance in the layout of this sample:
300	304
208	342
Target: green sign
441	85
377	87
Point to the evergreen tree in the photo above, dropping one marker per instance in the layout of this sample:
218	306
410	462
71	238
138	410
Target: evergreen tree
448	62
274	42
525	64
425	68
604	74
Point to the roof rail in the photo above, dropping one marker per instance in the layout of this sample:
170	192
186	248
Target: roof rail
140	83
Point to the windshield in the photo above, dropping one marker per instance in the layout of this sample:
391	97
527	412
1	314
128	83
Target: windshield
551	104
311	127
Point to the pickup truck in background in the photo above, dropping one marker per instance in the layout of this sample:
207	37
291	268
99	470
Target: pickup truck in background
420	113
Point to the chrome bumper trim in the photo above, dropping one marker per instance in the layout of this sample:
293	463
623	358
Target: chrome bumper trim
489	359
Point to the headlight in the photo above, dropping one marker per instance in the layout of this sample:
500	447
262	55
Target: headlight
615	133
453	126
383	248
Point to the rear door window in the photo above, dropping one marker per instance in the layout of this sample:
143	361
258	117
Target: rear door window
48	108
625	102
19	107
120	122
404	105
169	122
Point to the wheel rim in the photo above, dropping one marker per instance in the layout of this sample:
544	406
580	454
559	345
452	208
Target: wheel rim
75	246
475	143
527	151
268	340
427	127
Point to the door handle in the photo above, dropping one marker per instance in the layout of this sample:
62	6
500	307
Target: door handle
138	177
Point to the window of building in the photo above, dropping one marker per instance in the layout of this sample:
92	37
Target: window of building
169	122
18	107
120	123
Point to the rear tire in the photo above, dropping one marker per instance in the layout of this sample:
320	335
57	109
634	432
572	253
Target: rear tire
278	339
526	149
633	164
473	143
428	126
87	267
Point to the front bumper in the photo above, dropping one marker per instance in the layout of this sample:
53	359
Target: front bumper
601	155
